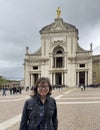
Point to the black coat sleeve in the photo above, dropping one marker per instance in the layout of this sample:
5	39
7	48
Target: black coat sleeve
24	118
54	119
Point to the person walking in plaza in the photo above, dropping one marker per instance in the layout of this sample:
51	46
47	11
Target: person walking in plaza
81	87
40	111
4	91
84	87
11	90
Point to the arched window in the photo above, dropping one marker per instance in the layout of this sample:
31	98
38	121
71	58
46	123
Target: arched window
59	52
59	61
58	58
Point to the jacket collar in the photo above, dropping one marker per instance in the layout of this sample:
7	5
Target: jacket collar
38	98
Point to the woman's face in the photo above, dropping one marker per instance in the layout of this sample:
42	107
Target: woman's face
43	89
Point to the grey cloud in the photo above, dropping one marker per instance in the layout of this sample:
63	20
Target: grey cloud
12	72
82	12
97	50
21	20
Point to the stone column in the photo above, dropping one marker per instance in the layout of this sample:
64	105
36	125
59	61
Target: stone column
86	76
55	62
65	61
54	79
65	78
77	79
31	80
62	78
39	75
51	62
51	77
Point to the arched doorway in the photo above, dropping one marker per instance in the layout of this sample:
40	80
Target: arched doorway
58	78
81	78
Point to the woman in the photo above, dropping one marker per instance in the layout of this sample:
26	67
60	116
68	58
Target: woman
40	112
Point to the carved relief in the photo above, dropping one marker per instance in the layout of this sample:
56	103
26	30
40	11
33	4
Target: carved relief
58	43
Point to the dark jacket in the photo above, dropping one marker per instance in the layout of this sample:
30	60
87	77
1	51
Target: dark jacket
32	111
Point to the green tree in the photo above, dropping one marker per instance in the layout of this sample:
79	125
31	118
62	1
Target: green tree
3	81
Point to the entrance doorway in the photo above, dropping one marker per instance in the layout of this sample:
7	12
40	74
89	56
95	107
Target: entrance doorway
58	78
81	78
35	78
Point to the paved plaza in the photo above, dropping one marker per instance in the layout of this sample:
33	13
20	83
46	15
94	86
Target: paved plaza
77	110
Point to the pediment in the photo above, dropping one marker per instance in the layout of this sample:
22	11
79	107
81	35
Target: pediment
59	25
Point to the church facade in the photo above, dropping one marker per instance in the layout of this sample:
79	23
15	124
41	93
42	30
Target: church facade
60	57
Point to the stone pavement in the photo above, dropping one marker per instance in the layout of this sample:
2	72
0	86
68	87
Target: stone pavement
77	110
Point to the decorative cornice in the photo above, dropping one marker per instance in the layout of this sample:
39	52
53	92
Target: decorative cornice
58	26
82	69
58	70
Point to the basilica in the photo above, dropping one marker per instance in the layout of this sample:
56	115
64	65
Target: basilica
60	57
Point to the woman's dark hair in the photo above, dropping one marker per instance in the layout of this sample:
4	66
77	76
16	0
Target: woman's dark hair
42	80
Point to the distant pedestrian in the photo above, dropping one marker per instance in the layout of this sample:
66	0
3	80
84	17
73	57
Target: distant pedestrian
81	87
4	91
84	87
11	91
27	88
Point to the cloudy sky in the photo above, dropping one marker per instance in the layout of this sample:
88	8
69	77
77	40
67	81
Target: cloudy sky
21	20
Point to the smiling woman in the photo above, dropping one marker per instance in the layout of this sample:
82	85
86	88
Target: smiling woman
40	112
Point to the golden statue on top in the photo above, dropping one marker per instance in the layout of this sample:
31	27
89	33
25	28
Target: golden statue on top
58	12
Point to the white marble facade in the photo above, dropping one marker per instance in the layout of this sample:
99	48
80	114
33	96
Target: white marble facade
60	57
